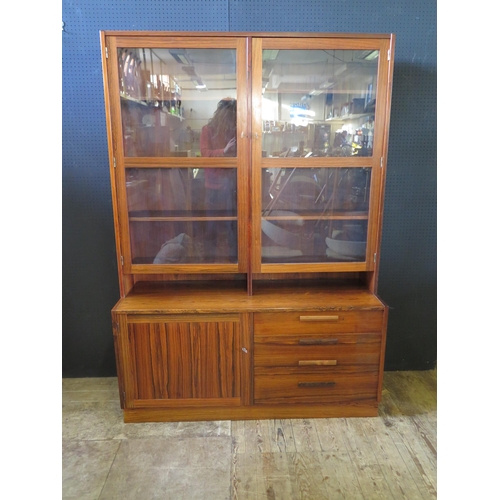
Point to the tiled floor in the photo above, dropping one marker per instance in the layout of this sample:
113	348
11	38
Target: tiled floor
392	456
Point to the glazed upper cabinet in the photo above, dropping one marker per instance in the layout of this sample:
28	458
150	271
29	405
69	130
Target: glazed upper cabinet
318	122
248	154
182	191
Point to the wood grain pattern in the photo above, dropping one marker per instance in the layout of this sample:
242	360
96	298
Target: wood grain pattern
315	388
285	324
231	297
350	350
280	411
190	360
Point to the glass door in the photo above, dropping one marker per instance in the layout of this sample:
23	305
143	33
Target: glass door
316	152
180	107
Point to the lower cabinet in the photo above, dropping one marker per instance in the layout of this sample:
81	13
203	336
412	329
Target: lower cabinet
255	363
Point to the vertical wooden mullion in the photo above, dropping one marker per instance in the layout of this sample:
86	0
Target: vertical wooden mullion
243	165
256	154
388	68
378	172
382	355
248	140
128	361
245	373
118	326
115	141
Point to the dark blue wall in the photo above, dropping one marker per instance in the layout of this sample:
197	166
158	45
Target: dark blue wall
408	261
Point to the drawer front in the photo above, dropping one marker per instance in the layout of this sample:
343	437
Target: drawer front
277	324
324	357
318	352
315	388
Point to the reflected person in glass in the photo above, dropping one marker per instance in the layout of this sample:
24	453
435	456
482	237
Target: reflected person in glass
218	139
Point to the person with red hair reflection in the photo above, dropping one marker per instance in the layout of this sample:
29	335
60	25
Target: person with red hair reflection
218	139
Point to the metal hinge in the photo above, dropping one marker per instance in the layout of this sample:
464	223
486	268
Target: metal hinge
388	55
375	258
121	259
381	162
114	162
106	49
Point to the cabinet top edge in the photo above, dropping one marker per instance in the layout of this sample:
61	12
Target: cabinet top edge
131	33
231	298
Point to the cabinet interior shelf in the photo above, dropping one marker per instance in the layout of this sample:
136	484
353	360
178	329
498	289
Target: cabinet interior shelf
312	216
179	219
348	117
167	216
140	102
187	260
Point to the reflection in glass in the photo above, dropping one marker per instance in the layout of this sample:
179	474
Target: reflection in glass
174	218
315	214
168	95
318	102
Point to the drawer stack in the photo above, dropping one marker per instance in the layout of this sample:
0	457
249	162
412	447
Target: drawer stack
317	357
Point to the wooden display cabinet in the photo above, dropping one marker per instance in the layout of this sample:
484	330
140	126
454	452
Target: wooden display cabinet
247	175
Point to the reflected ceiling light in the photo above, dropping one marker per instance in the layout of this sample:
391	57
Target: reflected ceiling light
180	56
339	69
265	83
327	84
371	55
269	55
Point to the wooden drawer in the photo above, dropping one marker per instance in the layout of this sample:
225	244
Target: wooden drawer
318	352
315	388
317	357
300	322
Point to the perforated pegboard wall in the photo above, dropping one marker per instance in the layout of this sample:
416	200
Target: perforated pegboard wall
408	261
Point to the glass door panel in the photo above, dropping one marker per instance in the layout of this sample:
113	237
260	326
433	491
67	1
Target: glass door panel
182	215
167	96
318	103
315	214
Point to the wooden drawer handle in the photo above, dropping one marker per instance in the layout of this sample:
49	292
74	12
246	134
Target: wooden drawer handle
316	384
318	362
319	318
318	341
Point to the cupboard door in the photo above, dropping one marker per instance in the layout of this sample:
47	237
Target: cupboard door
319	111
179	106
183	361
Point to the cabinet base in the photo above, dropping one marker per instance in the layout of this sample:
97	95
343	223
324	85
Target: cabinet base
250	413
